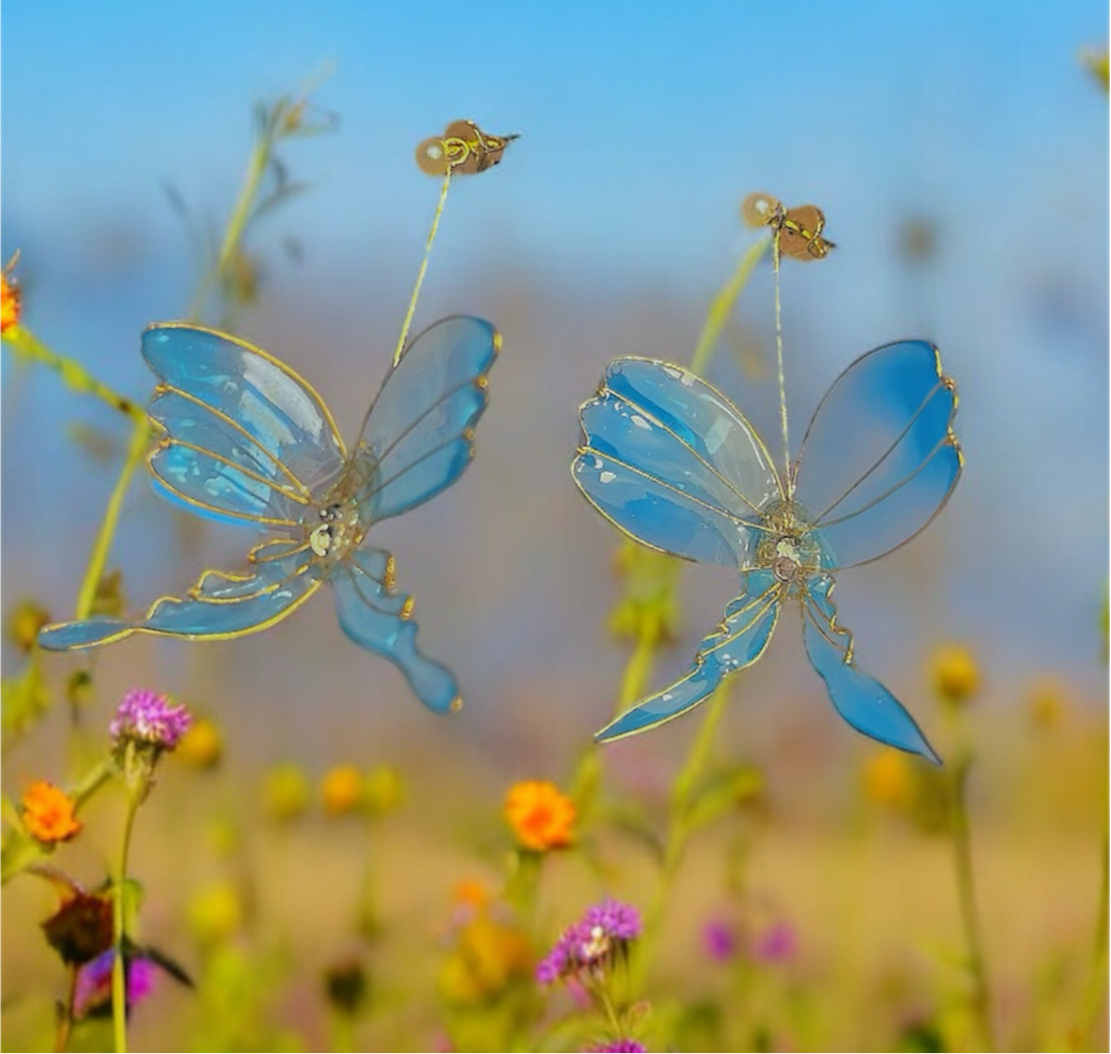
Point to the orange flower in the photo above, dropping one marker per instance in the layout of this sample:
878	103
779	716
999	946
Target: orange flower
540	815
48	813
342	790
9	299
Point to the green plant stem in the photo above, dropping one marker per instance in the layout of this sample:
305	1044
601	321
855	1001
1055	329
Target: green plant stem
678	829
136	451
722	306
610	1010
119	922
65	1017
588	773
1096	989
237	224
27	346
966	893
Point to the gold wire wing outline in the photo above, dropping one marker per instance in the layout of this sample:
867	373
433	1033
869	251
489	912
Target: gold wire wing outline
304	495
164	441
480	380
775	603
133	627
604	390
291	373
583	451
950	440
758	439
194	592
824	625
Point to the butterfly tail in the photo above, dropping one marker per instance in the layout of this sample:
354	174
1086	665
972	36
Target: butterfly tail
380	621
85	633
860	699
738	642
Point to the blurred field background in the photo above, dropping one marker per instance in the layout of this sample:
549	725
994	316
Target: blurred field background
960	153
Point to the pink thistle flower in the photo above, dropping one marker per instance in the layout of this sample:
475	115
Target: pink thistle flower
777	944
619	1046
93	992
719	938
149	719
593	944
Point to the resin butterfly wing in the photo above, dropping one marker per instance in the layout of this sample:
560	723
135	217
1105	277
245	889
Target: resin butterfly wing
419	432
243	437
739	641
880	459
672	463
858	697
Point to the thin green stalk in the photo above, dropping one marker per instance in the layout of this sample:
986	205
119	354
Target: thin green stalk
722	306
966	893
678	829
136	451
237	224
119	922
588	773
65	1015
1096	990
27	346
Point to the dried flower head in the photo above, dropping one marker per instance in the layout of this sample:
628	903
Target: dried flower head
542	817
146	718
81	928
48	813
346	985
591	946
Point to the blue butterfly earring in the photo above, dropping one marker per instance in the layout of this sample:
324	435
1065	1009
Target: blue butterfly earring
244	439
673	464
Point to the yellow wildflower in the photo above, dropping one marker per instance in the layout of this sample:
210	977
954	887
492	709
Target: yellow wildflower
11	302
542	817
285	792
48	813
471	892
1047	702
215	913
342	790
383	790
488	955
888	779
25	623
203	745
955	675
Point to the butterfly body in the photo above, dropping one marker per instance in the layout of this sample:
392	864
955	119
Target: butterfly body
674	465
243	439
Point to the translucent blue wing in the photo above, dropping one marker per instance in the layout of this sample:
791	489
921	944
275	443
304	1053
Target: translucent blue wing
671	462
244	438
219	607
380	621
861	700
738	642
419	431
879	459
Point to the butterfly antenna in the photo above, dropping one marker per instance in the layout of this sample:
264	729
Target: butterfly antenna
404	335
779	362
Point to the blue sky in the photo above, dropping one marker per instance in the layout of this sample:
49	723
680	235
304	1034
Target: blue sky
642	128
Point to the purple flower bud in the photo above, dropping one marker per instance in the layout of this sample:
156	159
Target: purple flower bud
145	717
